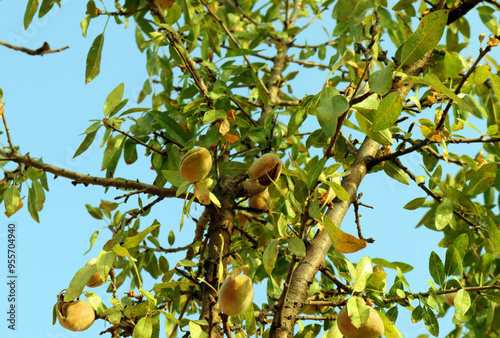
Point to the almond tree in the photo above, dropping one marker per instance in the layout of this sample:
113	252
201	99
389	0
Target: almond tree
223	99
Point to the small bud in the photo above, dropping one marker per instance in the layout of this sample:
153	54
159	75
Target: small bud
266	169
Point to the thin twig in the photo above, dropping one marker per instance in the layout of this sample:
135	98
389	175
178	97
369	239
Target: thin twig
7	131
45	49
233	40
135	139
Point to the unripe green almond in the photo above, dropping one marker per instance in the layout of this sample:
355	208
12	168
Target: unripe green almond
261	201
450	298
236	295
75	316
95	280
195	165
372	328
266	169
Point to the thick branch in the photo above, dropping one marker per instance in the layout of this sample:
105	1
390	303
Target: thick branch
88	179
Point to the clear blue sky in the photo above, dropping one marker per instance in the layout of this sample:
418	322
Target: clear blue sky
48	106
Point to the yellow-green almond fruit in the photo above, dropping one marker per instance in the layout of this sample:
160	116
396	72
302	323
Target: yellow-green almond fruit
75	316
261	201
195	165
266	169
372	328
95	280
450	298
236	295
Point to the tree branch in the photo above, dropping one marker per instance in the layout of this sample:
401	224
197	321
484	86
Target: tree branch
88	179
45	49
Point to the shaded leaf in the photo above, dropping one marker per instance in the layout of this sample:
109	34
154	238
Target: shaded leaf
297	246
270	255
482	179
93	64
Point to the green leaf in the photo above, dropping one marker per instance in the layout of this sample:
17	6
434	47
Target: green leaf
364	269
113	99
387	112
430	321
31	9
330	107
482	179
92	240
297	246
87	141
453	262
307	104
396	173
173	131
94	212
444	213
78	282
495	81
452	64
339	190
483	269
32	203
11	200
96	302
46	6
93	65
494	234
436	268
84	24
381	80
132	242
196	331
105	261
250	324
415	203
383	137
352	8
462	303
316	170
425	38
357	310
143	328
269	256
433	81
130	151
404	267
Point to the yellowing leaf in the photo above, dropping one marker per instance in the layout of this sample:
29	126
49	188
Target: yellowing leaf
231	138
202	193
342	241
224	126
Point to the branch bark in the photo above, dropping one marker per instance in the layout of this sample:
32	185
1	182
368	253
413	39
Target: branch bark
88	179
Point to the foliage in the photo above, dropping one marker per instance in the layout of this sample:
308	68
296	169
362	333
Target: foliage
219	78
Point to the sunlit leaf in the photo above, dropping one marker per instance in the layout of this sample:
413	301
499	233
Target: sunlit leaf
426	37
342	241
